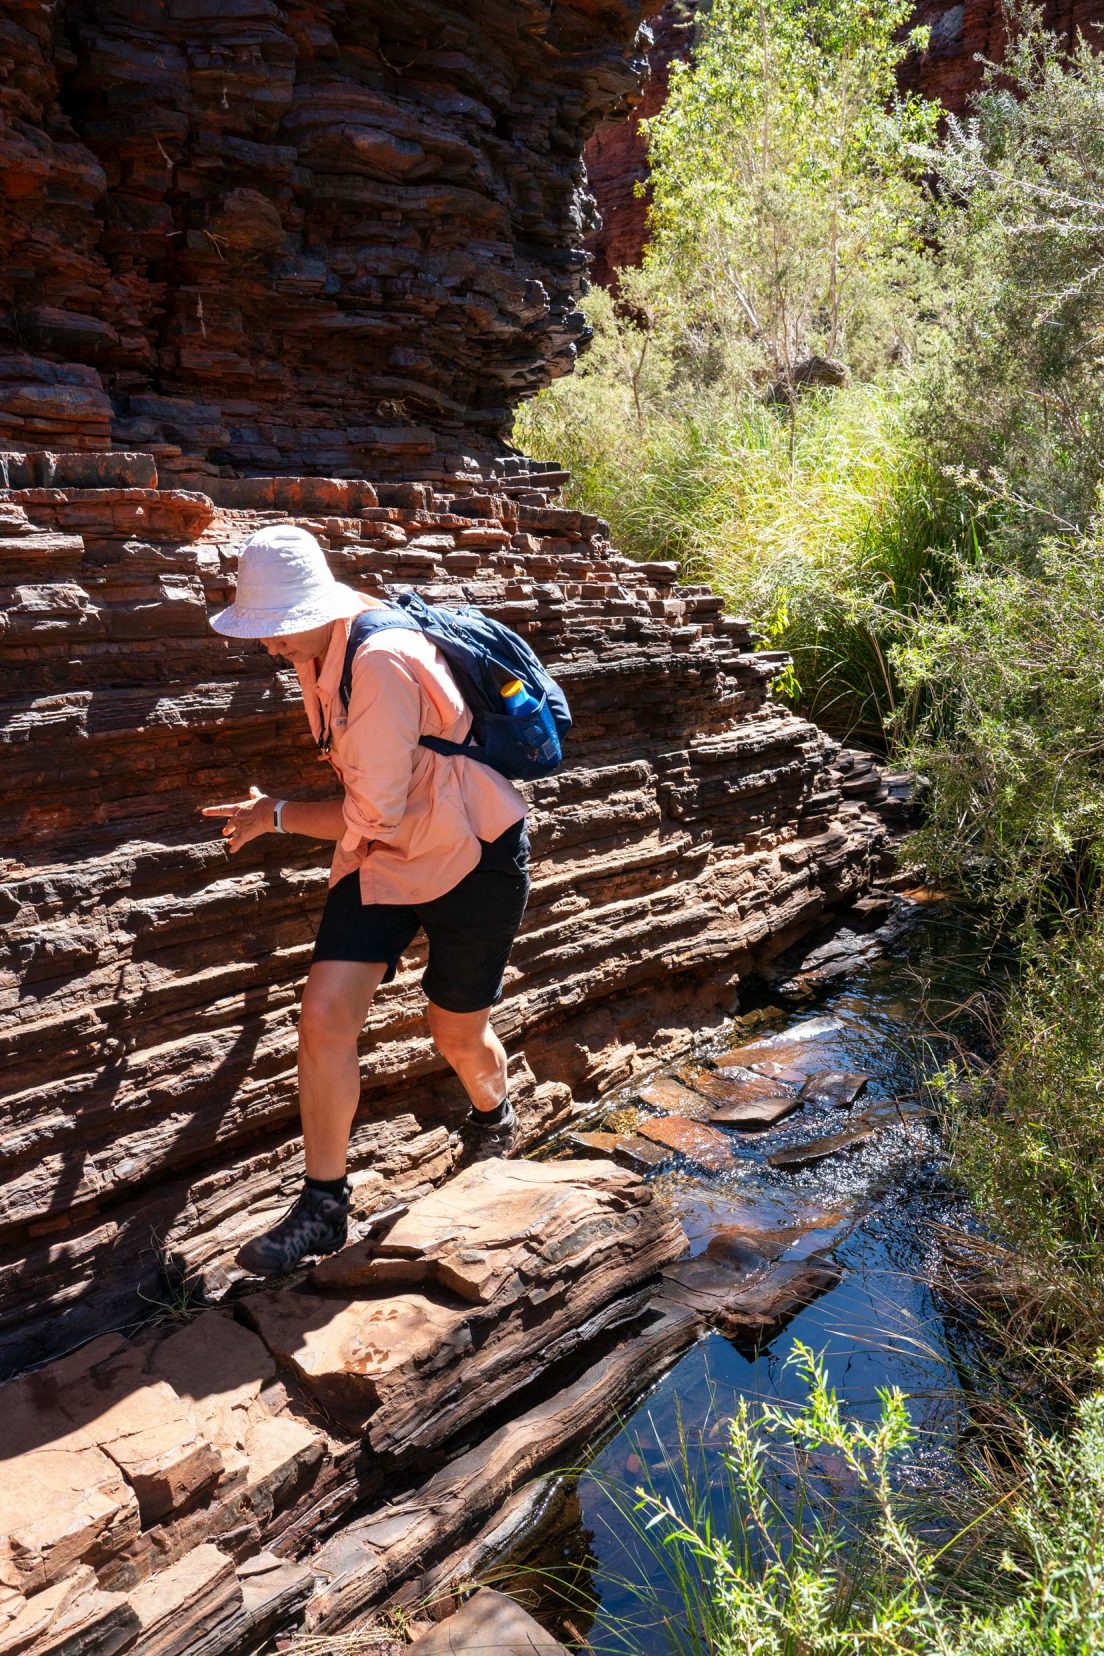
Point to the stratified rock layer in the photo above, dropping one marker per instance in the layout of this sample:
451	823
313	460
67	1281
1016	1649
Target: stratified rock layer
277	236
147	1008
139	1472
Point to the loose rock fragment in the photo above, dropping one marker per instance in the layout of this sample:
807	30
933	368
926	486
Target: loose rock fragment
833	1088
707	1146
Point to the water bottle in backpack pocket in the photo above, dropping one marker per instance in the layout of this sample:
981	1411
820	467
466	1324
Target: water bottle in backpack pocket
529	724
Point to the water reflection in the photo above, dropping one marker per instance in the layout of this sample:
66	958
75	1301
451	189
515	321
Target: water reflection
883	1324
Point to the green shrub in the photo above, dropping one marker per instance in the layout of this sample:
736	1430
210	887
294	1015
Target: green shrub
787	203
1029	1145
1015	389
1013	738
814	1578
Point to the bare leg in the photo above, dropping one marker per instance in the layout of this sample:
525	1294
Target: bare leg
475	1052
336	999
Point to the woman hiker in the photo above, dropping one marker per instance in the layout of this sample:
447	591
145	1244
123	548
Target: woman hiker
421	842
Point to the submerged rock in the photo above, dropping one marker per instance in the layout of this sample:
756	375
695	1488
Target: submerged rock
707	1146
835	1089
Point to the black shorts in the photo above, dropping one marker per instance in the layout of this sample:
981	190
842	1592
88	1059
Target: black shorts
471	929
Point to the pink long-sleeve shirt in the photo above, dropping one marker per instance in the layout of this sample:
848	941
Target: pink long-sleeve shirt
413	818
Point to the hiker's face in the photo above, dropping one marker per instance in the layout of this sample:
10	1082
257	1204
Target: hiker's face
300	647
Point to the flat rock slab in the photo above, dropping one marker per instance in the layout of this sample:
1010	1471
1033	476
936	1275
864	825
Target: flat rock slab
627	1149
755	1117
489	1623
769	1303
740	1298
707	1146
675	1098
834	1089
100	1396
221	1368
351	1353
791	1068
741	1247
58	1506
508	1268
739	1087
498	1225
362	1563
70	1618
184	1606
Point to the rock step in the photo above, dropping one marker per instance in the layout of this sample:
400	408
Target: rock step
141	1471
489	1622
410	1541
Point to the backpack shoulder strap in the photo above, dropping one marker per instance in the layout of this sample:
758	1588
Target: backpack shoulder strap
364	625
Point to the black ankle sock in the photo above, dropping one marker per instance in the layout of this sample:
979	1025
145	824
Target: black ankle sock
491	1118
328	1187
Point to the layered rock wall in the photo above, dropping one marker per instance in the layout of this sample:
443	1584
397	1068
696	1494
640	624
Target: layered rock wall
294	235
969	33
147	1026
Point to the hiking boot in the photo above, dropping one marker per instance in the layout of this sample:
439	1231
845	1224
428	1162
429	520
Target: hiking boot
480	1141
315	1224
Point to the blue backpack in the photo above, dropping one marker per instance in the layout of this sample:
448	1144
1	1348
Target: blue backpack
483	655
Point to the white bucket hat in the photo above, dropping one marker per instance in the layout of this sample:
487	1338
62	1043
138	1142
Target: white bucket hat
285	586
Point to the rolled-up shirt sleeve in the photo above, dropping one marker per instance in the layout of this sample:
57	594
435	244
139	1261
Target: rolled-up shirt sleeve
380	745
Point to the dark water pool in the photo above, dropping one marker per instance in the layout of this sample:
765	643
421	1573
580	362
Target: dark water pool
586	1572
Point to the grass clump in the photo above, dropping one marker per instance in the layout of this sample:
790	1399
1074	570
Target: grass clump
870	1576
832	532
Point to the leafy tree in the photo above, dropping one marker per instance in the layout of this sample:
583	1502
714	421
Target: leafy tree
1016	391
788	202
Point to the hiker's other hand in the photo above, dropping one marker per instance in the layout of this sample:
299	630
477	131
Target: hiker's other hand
246	820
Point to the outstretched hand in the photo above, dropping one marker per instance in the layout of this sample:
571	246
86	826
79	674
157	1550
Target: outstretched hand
246	820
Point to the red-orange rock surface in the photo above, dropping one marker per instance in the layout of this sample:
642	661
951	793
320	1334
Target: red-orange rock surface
294	235
148	1002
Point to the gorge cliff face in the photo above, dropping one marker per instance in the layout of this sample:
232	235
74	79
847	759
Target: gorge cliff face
284	237
260	262
149	998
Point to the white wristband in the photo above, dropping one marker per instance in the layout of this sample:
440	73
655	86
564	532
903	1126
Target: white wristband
278	816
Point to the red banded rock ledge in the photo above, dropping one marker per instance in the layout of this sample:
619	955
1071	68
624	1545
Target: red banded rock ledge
149	993
147	1480
284	237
